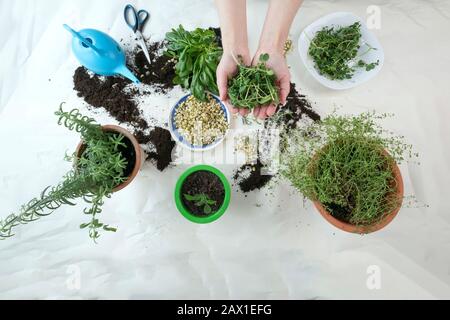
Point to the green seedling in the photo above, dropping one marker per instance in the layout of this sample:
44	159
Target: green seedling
254	86
201	200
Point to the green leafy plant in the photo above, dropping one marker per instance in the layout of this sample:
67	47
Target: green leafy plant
201	200
341	162
198	55
254	86
335	52
97	172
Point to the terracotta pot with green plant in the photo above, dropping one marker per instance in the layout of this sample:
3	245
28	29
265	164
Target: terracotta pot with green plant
106	161
348	167
202	194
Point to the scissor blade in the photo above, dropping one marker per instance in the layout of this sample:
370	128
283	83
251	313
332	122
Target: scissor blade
143	46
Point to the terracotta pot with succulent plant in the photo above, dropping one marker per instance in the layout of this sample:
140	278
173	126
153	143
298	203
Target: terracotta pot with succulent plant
106	161
348	167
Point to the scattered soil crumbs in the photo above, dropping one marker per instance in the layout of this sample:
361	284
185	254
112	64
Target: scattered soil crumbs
249	177
296	109
118	97
109	93
160	73
203	183
162	146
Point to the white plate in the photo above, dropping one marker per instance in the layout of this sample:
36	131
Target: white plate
342	19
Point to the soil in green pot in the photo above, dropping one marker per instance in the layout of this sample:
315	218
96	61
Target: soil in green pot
203	193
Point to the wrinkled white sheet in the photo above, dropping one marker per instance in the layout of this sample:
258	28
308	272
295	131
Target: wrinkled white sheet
265	246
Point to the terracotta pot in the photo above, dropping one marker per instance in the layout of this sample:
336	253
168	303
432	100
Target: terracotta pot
137	149
376	226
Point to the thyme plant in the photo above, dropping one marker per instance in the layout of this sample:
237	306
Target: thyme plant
335	52
341	163
95	174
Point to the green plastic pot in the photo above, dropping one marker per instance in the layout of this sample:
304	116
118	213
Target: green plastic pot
179	201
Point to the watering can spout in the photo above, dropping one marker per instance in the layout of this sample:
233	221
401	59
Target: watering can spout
124	71
100	53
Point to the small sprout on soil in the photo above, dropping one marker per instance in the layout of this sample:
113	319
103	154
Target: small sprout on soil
254	86
201	200
201	123
335	52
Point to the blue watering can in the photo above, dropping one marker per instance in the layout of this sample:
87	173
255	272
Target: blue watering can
100	53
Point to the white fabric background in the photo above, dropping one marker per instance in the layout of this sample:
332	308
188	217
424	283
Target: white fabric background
281	249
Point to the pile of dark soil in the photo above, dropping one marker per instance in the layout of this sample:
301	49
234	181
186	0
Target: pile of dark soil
119	99
110	95
203	183
296	109
250	178
160	73
163	144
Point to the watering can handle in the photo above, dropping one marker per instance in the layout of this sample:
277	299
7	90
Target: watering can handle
83	40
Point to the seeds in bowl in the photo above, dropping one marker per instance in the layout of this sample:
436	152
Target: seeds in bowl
201	123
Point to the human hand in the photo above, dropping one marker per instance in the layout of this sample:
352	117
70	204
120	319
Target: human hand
227	68
277	62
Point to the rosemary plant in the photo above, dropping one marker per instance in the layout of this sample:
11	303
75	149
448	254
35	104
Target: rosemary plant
97	172
341	162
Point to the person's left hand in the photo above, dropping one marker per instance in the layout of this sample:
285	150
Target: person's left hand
277	62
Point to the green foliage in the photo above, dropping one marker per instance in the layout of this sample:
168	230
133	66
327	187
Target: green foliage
97	172
201	200
198	55
335	52
254	86
341	163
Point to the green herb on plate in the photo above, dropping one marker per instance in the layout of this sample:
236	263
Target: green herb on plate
334	51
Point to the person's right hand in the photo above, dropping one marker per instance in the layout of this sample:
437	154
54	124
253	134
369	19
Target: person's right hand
227	68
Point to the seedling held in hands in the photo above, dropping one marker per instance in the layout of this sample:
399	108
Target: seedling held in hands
254	86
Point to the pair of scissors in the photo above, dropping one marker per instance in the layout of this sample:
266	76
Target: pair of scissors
137	23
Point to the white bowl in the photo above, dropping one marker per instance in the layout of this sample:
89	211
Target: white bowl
178	137
342	19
